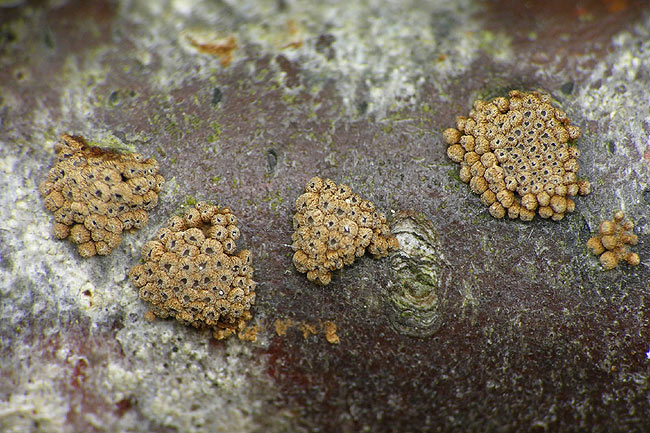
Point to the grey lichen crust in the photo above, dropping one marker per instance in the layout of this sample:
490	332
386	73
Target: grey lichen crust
84	324
415	302
370	56
183	383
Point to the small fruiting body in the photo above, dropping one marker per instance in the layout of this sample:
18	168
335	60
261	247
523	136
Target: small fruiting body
612	240
520	145
191	272
96	194
332	227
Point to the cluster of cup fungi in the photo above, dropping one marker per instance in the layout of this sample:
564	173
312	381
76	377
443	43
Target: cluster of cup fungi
517	153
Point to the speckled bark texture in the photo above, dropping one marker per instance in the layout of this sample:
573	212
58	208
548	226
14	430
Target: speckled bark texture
476	325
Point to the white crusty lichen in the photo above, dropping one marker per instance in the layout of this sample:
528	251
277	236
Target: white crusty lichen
381	53
612	95
36	402
182	382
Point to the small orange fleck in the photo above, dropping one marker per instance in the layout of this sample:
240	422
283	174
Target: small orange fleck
223	48
248	334
581	11
308	329
615	6
150	316
292	27
294	44
78	375
281	326
330	333
442	57
222	333
295	35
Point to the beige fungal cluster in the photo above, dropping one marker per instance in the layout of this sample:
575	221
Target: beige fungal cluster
96	194
333	226
611	243
192	272
515	153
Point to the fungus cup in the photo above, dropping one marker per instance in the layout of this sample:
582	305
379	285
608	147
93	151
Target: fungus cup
96	194
612	241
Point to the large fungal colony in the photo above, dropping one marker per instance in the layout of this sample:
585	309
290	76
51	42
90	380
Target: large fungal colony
333	226
193	273
97	194
612	240
516	153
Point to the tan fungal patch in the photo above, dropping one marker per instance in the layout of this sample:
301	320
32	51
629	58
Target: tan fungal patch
96	194
192	272
330	333
332	227
223	48
281	326
516	153
307	329
328	328
612	241
249	334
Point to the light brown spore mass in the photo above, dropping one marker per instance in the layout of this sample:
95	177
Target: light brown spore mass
612	240
97	194
333	226
516	153
193	273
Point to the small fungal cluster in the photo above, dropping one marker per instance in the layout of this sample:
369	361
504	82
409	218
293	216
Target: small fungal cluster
193	273
332	227
516	154
611	243
97	194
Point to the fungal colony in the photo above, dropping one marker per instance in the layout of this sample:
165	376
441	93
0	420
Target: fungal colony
192	272
612	240
97	194
333	226
517	153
